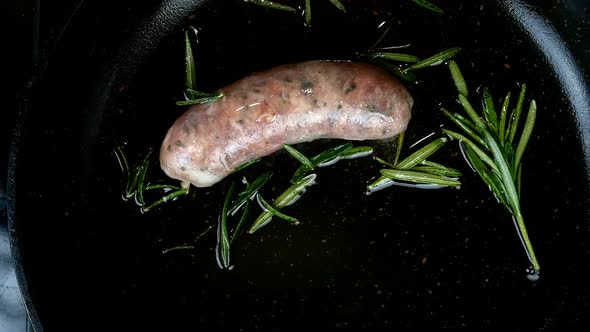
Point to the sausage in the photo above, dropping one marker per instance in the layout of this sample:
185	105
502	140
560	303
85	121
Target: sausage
288	104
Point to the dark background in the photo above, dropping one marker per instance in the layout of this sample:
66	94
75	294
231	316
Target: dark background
30	32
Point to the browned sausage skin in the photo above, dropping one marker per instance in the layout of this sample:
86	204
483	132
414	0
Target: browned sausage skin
285	105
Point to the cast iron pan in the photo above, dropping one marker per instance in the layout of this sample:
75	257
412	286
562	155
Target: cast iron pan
401	258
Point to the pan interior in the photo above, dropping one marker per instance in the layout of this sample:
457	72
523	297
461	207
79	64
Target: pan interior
398	258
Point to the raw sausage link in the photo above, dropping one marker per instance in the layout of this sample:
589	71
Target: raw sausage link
286	105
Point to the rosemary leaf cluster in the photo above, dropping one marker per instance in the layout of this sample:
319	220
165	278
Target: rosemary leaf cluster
493	142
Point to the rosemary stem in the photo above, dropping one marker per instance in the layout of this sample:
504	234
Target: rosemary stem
526	242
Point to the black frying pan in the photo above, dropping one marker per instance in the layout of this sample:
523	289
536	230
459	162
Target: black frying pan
87	260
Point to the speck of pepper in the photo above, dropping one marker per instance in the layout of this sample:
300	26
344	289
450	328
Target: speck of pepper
169	148
186	129
350	88
179	143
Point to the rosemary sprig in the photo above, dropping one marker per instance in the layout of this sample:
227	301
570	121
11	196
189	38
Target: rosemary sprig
166	198
415	169
302	182
250	191
191	94
136	184
491	151
306	10
243	199
390	61
329	157
275	212
288	197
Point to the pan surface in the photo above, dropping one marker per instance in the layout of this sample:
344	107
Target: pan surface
401	258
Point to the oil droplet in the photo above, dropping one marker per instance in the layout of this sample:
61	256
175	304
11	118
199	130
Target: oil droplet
532	274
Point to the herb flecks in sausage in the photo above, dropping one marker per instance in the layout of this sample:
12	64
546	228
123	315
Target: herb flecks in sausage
306	87
350	88
371	105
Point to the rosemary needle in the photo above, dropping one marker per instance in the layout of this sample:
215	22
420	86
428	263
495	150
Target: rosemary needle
458	78
400	57
435	59
271	4
421	155
338	5
428	5
223	246
419	177
177	248
299	156
307	13
189	64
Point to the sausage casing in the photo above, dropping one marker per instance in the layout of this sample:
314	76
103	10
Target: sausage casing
288	104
